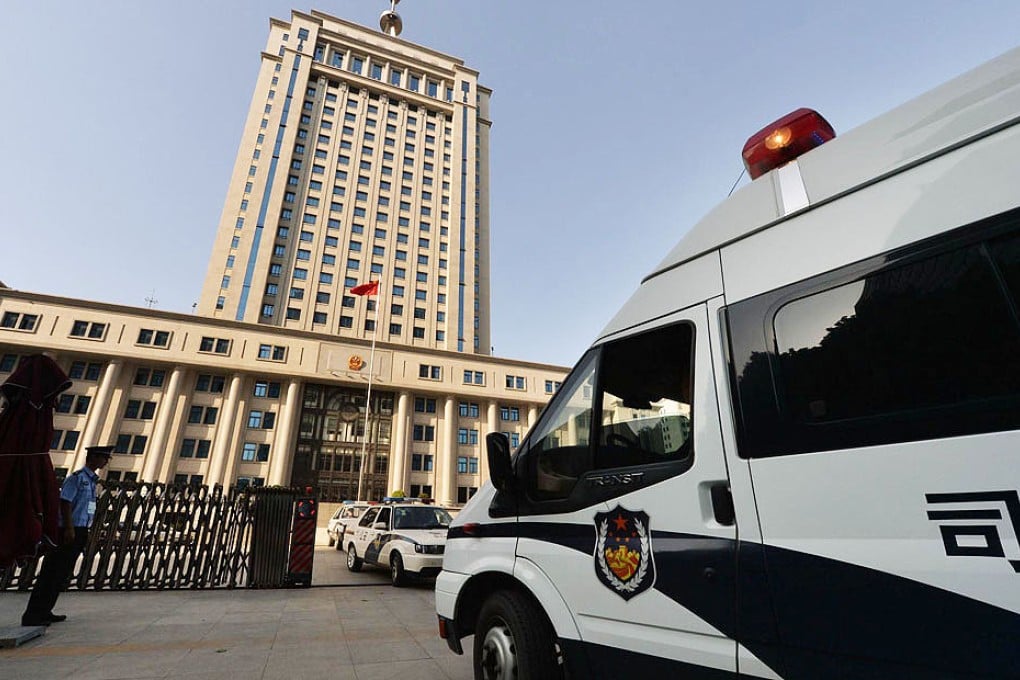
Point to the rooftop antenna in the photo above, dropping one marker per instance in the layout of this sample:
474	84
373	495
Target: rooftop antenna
390	22
151	300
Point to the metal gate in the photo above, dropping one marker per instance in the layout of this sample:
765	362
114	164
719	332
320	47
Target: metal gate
157	536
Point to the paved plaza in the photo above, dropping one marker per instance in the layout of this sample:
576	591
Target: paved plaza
363	629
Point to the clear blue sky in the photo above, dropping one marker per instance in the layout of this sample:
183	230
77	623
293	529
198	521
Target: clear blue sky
616	126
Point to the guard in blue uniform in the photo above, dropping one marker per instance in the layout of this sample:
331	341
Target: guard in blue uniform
77	508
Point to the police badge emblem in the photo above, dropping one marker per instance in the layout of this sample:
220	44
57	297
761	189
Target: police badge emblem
623	552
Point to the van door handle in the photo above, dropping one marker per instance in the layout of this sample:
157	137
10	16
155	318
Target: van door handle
722	504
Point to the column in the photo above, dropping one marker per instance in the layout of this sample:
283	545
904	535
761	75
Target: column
532	416
167	410
491	425
98	410
398	451
446	473
224	433
282	455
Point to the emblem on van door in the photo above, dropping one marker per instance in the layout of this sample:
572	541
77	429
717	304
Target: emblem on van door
623	552
964	536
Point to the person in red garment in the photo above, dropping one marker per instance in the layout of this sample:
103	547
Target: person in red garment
28	488
77	508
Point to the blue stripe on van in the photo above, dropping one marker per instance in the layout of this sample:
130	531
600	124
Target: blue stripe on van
810	617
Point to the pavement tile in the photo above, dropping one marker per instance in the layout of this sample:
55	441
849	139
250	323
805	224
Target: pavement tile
400	670
375	652
152	664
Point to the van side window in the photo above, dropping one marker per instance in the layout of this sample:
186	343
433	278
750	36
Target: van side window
384	516
922	347
640	388
645	400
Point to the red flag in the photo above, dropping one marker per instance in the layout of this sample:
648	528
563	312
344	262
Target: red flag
370	288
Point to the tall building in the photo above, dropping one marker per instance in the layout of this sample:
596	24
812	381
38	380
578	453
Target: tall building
363	157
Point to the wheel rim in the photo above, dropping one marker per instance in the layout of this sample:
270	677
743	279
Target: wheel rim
395	568
350	557
499	656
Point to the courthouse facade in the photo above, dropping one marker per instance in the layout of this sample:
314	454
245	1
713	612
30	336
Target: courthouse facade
364	157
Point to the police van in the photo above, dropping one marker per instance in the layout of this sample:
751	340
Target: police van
795	451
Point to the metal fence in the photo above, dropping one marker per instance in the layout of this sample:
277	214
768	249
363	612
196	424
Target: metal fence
157	536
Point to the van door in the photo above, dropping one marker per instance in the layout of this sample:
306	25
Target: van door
617	511
880	411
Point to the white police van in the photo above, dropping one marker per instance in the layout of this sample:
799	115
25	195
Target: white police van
795	452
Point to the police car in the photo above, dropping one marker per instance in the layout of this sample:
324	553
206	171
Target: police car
408	539
345	517
792	454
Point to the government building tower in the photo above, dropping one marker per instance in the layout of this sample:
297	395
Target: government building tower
363	157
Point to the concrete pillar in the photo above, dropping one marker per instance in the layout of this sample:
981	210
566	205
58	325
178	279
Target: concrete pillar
98	410
167	409
282	455
491	425
398	449
532	416
224	433
446	459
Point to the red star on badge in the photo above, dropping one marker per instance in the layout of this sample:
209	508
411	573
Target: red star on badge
621	523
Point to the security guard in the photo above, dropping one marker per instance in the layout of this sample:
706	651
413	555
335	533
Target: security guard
77	508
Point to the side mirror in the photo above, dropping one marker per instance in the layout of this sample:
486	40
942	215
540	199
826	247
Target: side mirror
497	446
379	525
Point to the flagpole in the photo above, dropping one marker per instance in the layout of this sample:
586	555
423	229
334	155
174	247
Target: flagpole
368	404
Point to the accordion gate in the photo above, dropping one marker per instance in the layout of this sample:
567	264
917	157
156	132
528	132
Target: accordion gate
157	536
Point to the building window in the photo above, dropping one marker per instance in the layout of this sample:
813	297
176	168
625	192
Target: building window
468	409
19	321
214	345
422	462
209	383
467	436
266	389
430	372
511	413
88	329
261	420
133	444
464	493
140	410
203	415
551	386
273	352
255	453
423	433
424	405
195	448
515	382
474	378
150	377
85	371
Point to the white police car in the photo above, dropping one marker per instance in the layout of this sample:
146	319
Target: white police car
344	519
408	539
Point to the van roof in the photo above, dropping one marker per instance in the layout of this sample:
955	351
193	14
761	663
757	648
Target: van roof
972	105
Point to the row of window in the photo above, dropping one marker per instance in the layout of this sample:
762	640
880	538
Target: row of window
92	330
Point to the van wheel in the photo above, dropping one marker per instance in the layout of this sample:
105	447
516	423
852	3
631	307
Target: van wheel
514	641
353	561
397	574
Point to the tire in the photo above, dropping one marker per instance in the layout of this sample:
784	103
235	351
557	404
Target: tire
332	541
398	575
514	640
353	561
339	543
